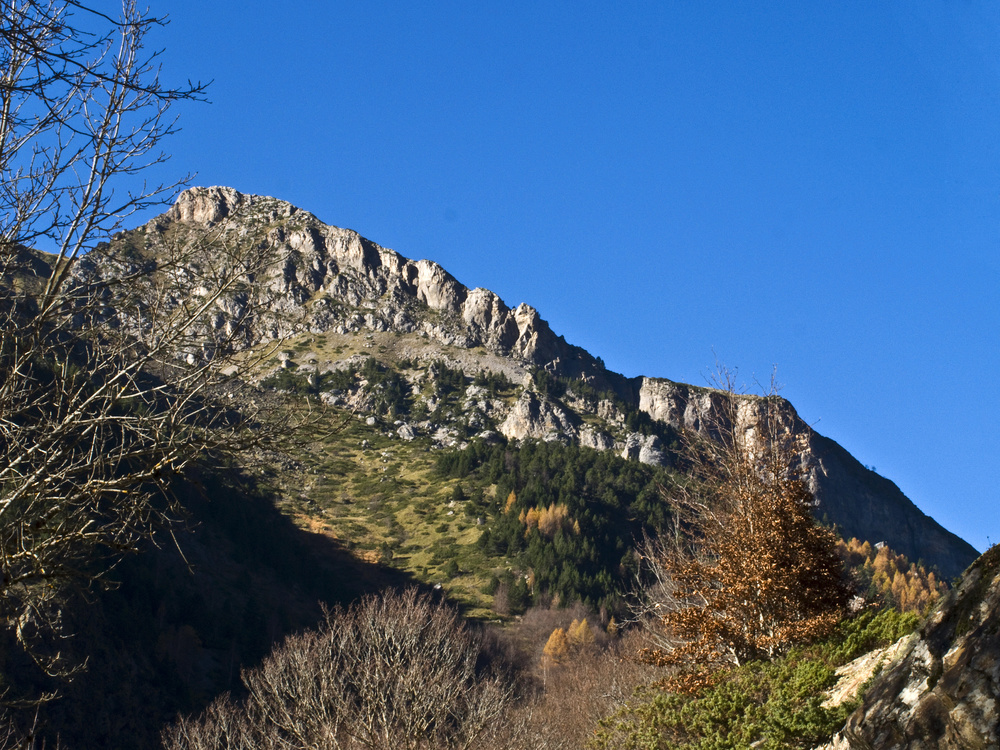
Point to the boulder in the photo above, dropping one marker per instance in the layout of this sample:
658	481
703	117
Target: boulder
944	693
645	449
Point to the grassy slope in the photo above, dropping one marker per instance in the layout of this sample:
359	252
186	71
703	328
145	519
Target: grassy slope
381	497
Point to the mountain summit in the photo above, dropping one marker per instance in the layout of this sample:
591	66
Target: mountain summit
334	281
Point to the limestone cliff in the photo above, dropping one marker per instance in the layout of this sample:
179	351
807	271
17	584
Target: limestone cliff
861	502
347	283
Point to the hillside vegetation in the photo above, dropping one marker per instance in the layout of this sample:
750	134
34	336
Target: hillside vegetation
775	705
525	492
534	521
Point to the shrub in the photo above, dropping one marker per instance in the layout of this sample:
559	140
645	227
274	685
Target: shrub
395	671
764	704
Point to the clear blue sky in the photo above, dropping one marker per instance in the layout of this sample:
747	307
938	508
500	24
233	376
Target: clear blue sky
812	186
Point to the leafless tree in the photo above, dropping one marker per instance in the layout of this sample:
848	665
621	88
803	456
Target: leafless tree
81	107
395	671
224	725
120	355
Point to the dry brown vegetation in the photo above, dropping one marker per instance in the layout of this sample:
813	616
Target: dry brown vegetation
401	671
394	671
583	670
749	572
586	687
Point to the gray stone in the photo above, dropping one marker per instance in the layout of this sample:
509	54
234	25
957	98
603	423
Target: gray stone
645	449
944	693
535	416
596	439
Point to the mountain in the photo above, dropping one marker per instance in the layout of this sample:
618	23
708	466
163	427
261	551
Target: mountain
461	446
334	282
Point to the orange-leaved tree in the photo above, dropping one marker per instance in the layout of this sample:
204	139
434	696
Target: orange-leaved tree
880	573
748	571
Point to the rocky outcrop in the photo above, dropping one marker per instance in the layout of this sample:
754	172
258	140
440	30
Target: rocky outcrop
596	439
945	692
859	501
645	449
853	676
209	206
346	282
535	416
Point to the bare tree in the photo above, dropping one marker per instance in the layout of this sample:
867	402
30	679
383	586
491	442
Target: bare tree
81	107
397	671
120	360
748	571
224	725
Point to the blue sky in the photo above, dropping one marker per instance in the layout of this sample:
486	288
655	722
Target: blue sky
811	186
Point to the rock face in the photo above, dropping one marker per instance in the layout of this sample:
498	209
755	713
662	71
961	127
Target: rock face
333	280
851	677
346	282
596	439
859	501
645	449
945	692
535	416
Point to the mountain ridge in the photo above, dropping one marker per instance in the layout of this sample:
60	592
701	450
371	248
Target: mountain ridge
334	280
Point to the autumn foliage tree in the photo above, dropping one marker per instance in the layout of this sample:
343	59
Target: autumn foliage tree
563	643
749	571
883	575
556	649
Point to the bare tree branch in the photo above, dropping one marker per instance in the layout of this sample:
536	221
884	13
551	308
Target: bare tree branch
397	671
122	358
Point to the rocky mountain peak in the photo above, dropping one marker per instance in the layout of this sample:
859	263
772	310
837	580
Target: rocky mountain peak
210	205
377	288
331	280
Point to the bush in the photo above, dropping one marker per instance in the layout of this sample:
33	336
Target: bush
396	671
763	704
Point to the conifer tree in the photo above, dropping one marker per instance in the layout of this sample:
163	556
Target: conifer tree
579	634
556	648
